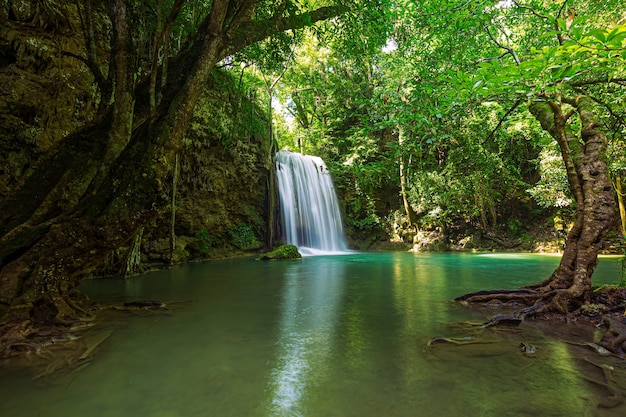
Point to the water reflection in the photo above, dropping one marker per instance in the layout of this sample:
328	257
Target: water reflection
328	336
309	315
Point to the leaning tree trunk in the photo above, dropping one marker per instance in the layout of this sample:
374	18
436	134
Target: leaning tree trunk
569	285
105	181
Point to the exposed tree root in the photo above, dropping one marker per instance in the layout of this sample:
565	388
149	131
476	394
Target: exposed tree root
468	340
606	307
53	349
616	396
615	337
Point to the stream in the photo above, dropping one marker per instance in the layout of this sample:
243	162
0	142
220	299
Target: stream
324	336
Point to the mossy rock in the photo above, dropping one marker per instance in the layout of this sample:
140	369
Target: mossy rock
282	252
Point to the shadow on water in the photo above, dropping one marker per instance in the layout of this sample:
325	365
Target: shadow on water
326	336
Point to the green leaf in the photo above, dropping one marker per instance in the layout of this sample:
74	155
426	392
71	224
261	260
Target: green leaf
570	71
617	40
599	34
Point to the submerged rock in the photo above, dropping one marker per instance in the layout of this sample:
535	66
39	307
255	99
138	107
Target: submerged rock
527	349
282	252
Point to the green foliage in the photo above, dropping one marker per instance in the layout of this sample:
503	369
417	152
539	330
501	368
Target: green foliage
444	92
515	226
243	237
205	242
552	190
226	113
370	225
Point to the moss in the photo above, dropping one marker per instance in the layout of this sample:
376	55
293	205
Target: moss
282	252
243	237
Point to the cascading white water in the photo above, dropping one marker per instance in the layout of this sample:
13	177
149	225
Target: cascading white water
310	211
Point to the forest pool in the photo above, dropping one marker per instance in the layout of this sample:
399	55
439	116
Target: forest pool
325	336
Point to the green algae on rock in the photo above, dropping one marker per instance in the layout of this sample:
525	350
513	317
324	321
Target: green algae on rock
282	252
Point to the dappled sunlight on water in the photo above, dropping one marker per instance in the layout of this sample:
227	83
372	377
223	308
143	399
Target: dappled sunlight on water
324	336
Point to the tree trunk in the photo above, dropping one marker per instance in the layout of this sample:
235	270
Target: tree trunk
410	214
569	286
173	211
131	265
104	182
271	202
620	200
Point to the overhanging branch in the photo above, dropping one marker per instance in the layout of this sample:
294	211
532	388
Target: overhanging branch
503	118
257	31
509	50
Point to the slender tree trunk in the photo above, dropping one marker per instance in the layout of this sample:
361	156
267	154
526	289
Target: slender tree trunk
407	207
620	201
410	214
173	211
132	262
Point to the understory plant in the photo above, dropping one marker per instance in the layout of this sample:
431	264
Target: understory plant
205	242
243	237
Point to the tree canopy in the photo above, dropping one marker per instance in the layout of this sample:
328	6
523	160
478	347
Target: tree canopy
445	88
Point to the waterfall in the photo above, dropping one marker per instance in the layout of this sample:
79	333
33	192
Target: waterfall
310	214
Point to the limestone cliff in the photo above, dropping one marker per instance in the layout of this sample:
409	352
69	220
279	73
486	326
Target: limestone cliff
222	180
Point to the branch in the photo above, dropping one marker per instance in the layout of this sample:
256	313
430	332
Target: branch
533	11
238	12
90	45
493	132
279	11
606	80
490	59
550	115
619	118
506	48
257	31
159	37
556	23
217	17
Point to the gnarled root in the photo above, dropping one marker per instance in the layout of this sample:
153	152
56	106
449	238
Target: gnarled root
615	337
615	395
522	295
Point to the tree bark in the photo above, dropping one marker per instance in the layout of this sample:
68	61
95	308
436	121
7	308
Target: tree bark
620	200
173	211
131	265
410	214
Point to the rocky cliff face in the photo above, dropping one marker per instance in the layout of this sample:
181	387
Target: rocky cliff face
221	203
47	91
